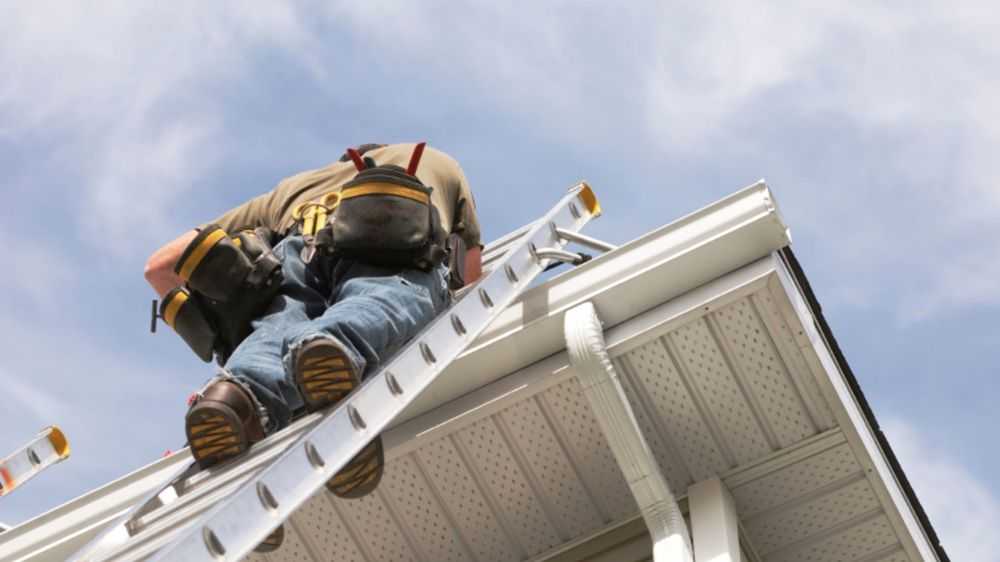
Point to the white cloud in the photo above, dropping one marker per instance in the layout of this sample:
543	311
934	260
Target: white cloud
567	70
964	511
39	403
143	172
912	84
668	75
712	61
126	89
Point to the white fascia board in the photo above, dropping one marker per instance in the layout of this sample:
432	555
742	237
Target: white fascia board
622	284
854	424
58	533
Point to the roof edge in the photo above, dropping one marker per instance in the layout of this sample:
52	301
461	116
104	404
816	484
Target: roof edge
798	274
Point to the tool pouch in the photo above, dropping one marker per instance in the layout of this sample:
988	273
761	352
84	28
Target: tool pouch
213	264
385	217
266	271
231	281
456	262
182	311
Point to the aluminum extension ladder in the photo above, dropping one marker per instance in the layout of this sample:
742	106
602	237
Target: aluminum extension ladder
49	447
190	520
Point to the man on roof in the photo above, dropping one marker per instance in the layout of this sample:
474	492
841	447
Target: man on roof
365	251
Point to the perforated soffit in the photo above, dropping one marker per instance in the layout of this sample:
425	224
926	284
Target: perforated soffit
524	474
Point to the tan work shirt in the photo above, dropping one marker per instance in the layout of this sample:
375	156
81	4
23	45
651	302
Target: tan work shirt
451	194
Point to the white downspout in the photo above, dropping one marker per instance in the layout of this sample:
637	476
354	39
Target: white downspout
599	380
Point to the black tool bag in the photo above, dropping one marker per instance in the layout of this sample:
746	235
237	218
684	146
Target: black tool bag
230	281
184	312
385	217
456	262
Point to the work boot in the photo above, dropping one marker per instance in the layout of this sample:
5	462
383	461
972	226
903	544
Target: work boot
273	541
222	423
324	375
361	475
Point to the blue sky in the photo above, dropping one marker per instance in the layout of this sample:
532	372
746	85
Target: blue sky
877	128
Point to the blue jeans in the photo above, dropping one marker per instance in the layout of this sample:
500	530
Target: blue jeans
371	311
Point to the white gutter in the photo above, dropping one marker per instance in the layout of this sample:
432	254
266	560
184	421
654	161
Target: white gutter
600	384
652	269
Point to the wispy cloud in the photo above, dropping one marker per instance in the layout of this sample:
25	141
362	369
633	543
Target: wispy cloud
964	511
134	93
142	174
39	403
875	123
877	120
36	273
142	92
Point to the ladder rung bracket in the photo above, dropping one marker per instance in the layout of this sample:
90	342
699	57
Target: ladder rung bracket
179	489
119	530
169	525
498	248
256	460
232	527
583	240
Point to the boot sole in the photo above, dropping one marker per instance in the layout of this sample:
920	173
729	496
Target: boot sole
273	541
362	474
214	433
324	374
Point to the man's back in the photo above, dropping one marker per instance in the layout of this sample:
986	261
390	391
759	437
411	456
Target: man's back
451	194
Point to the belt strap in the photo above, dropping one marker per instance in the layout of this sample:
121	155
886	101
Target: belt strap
380	188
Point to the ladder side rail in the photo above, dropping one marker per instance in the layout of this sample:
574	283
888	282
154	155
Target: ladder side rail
234	526
178	487
496	247
117	531
191	488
